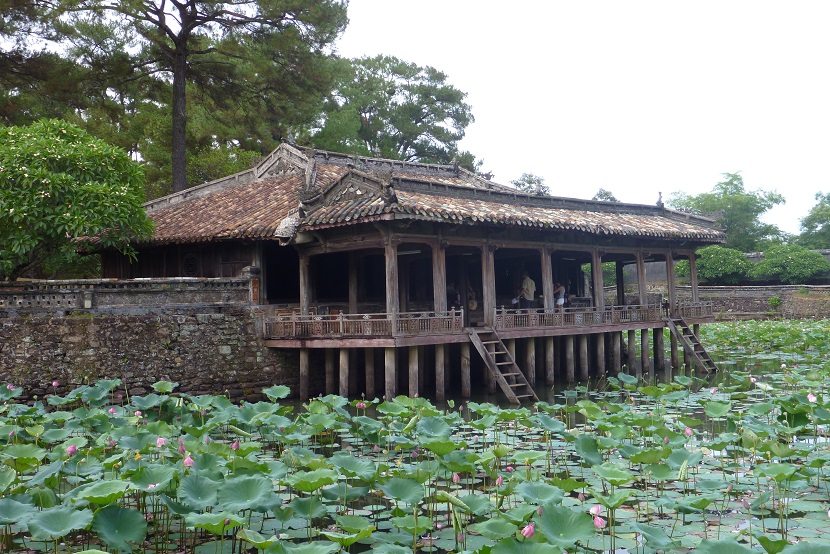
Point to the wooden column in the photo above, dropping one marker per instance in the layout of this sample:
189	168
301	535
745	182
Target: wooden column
530	361
616	352
675	358
488	284
352	283
583	357
620	284
596	279
693	277
670	281
413	371
392	297
390	370
465	370
439	278
569	358
331	387
600	348
440	372
403	284
305	284
645	354
304	371
642	282
687	361
547	280
344	372
511	347
659	350
696	330
633	368
550	365
370	373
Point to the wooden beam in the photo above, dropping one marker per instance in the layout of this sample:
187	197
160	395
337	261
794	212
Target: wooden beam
369	369
597	281
488	284
693	277
390	373
305	284
344	372
329	366
304	374
465	370
440	372
439	278
352	283
550	366
642	281
530	361
583	357
413	371
547	279
569	358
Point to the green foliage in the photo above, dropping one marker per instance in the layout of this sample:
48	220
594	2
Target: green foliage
529	183
790	264
57	184
815	227
774	302
737	211
386	107
718	265
605	195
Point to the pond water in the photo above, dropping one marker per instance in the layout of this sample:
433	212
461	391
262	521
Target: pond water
729	463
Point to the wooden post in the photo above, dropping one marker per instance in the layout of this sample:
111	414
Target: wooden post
488	377
693	276
616	352
530	361
645	354
696	330
569	358
642	282
659	351
488	284
675	358
392	298
305	284
511	348
597	282
633	368
550	366
370	373
600	347
465	370
344	372
403	284
440	372
304	374
439	278
547	280
413	371
329	365
687	361
670	282
390	373
352	283
620	284
583	357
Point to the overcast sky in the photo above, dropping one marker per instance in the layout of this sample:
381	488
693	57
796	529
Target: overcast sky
636	96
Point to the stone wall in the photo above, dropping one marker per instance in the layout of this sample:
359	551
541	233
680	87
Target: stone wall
744	302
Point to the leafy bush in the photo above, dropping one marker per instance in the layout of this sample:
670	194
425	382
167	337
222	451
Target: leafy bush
774	302
790	264
718	265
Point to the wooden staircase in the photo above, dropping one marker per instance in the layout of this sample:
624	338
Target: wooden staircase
691	343
502	366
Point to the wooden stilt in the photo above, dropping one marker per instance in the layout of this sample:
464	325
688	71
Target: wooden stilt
440	372
331	384
600	347
511	347
616	353
530	361
569	358
465	370
488	377
413	371
583	358
550	366
660	352
633	367
687	361
304	381
344	372
390	373
696	329
370	373
645	354
675	358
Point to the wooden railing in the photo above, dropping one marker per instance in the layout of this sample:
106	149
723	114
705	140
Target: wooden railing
509	318
294	325
695	310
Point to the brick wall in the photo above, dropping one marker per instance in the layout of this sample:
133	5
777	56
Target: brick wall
800	301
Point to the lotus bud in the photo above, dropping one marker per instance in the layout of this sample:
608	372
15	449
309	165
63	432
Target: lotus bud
812	398
713	390
753	380
235	445
599	523
595	510
111	443
56	384
10	387
529	530
112	411
188	461
152	486
71	450
439	526
456	478
509	469
499	481
137	413
181	447
688	431
783	366
361	405
581	497
666	439
161	441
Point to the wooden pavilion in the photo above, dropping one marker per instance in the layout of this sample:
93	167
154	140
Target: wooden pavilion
381	264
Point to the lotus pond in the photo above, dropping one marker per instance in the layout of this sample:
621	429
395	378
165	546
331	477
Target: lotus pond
731	465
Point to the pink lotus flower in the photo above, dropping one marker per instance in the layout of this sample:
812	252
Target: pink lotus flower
753	379
112	411
529	530
151	486
688	431
499	481
181	447
581	497
812	398
439	526
9	387
509	469
599	523
595	510
71	450
137	413
361	405
666	439
188	461
111	443
713	390
235	445
161	441
456	478
56	383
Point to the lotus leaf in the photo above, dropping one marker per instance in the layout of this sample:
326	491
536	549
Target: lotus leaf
198	491
494	528
14	511
537	492
512	546
244	493
403	490
215	524
310	481
614	474
564	527
586	447
120	527
102	492
58	522
276	392
722	547
353	466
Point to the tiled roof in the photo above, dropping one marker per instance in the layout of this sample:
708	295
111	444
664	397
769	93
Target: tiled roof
247	206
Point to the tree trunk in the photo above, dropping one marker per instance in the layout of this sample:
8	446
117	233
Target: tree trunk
179	150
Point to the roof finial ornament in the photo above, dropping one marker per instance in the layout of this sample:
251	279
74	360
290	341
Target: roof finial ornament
311	192
387	192
660	200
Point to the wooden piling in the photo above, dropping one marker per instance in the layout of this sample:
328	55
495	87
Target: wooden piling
304	370
631	362
569	358
440	372
660	351
550	365
413	371
600	351
583	358
465	370
675	356
390	370
530	361
344	372
645	354
331	387
369	364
